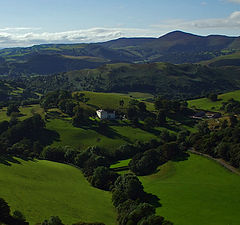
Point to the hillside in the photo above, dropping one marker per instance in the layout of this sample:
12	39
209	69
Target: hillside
224	60
206	104
53	189
196	189
175	47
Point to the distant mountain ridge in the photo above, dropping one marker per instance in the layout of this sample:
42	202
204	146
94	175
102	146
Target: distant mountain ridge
175	47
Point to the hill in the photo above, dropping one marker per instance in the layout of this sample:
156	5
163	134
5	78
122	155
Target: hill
224	60
196	189
173	81
53	189
206	104
175	47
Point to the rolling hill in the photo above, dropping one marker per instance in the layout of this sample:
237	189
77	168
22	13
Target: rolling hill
175	47
196	189
53	189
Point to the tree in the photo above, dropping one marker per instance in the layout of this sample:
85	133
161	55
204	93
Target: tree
19	216
203	128
161	117
145	163
132	113
4	210
149	122
233	120
142	106
130	185
121	102
213	97
54	220
79	116
12	108
103	178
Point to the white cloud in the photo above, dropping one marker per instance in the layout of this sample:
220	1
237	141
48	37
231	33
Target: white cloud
8	39
232	21
23	36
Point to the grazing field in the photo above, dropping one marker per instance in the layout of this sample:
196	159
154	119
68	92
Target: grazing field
114	136
111	100
196	191
121	163
206	104
25	112
42	189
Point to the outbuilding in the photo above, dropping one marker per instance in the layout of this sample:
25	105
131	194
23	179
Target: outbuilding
102	114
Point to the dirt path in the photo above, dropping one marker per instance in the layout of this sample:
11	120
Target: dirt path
218	160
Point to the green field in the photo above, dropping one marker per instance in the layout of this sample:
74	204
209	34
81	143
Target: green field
42	189
196	191
25	112
206	104
120	163
84	137
111	100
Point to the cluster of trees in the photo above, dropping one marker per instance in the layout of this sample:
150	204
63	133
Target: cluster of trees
146	162
68	104
94	165
213	97
222	143
24	138
231	106
137	110
129	199
16	218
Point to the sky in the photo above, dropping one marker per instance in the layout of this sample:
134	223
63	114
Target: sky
30	22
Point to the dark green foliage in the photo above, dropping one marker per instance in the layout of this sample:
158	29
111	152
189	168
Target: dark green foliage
213	97
103	178
231	106
3	126
67	106
53	153
149	122
17	219
70	154
169	150
80	117
145	163
132	113
11	109
19	216
54	220
84	223
128	185
53	99
203	128
161	118
4	210
22	138
223	143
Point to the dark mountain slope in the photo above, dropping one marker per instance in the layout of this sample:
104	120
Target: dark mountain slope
173	81
175	47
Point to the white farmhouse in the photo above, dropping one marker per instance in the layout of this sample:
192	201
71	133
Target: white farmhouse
102	114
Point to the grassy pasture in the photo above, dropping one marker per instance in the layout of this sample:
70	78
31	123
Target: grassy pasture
206	104
42	189
111	100
25	111
121	163
196	191
115	136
